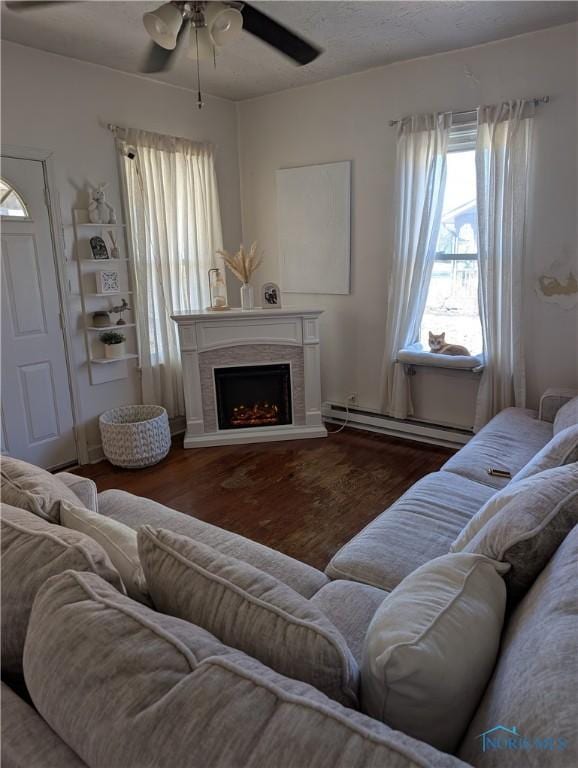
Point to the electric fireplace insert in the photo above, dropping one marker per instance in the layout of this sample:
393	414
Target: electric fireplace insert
253	396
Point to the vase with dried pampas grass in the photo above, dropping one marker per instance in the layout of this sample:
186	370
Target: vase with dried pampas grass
243	264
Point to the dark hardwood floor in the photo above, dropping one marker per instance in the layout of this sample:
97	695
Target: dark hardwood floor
305	497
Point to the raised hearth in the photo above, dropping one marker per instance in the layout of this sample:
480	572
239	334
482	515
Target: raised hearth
250	376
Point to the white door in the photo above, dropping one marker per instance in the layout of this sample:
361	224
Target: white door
37	422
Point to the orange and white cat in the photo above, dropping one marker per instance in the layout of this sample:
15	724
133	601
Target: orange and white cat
437	344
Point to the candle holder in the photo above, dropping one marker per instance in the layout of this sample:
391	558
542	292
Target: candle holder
217	291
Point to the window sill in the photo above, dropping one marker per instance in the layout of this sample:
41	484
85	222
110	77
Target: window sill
415	354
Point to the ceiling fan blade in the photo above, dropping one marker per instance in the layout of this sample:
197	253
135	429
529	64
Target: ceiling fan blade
270	31
34	5
160	59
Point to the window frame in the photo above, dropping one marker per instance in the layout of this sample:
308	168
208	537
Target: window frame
463	138
463	135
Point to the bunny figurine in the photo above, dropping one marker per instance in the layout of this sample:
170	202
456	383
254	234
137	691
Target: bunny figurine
99	211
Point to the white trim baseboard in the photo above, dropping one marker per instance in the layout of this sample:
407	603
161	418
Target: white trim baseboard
407	430
95	454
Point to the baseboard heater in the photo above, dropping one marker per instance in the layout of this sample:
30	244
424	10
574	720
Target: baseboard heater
419	431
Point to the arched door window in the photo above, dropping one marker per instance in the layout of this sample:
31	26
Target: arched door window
11	204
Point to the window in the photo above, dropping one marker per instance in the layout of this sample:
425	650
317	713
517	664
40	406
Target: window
11	205
452	302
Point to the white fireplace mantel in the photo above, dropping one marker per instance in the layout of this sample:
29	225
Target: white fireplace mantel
210	340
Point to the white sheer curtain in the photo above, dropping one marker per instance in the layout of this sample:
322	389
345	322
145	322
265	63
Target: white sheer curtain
175	231
502	159
422	144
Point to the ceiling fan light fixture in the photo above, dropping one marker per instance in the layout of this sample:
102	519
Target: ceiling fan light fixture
223	22
163	25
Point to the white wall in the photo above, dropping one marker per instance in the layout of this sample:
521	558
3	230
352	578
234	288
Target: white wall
347	119
51	102
60	104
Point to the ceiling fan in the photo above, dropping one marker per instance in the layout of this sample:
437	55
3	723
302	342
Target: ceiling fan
212	25
205	27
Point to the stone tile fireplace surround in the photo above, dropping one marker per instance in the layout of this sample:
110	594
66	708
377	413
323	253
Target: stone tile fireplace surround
214	341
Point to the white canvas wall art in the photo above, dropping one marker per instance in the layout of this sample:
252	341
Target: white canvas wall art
314	211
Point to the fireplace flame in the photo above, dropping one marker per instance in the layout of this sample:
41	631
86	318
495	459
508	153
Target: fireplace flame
258	415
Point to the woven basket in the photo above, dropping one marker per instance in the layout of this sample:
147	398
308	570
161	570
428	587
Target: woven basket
135	436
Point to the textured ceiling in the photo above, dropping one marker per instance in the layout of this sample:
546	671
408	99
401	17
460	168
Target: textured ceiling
355	36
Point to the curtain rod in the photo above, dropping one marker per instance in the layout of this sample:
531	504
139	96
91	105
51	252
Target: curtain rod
118	131
119	128
536	101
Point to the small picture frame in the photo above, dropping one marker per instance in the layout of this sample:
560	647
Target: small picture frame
270	296
107	281
98	248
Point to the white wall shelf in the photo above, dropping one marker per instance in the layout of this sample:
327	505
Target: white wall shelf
104	262
110	327
87	267
101	226
106	360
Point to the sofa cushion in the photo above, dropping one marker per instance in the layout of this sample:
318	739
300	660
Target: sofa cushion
567	416
27	741
127	687
135	511
350	606
507	442
83	487
431	648
32	551
34	489
420	525
118	541
542	492
562	449
249	610
526	532
534	685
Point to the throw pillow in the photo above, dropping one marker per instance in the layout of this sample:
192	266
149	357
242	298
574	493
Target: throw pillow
566	416
527	532
34	489
33	551
542	492
118	541
431	647
249	610
562	449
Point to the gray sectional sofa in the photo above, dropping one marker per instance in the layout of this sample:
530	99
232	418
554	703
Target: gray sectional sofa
423	523
111	683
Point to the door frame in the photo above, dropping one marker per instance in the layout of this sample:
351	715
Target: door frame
46	157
